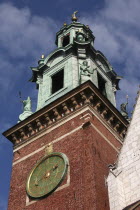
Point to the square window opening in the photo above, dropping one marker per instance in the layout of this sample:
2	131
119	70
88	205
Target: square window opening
57	81
101	84
66	40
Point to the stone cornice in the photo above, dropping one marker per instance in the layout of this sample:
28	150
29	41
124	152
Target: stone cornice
85	94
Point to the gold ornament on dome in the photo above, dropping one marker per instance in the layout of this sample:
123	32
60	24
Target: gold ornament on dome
74	18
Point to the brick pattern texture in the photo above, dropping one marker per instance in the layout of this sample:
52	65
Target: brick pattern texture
89	155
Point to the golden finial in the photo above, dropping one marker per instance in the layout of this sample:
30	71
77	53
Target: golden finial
65	24
49	149
42	56
74	18
87	26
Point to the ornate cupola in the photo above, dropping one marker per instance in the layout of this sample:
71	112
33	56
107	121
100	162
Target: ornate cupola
74	33
73	62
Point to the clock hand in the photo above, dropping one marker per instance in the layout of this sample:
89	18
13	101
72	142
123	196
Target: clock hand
47	175
49	172
55	167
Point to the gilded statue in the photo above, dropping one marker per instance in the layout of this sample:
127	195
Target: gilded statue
74	18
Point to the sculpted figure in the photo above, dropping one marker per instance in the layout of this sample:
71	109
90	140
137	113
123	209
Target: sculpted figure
74	18
114	88
26	109
123	110
27	104
85	69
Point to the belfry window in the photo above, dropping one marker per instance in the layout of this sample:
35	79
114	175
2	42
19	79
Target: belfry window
101	84
58	81
66	40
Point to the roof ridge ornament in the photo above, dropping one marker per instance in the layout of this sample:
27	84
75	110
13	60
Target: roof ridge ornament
73	17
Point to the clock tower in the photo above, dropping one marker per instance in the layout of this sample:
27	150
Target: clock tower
62	151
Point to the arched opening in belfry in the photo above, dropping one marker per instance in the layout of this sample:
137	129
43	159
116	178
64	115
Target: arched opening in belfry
58	81
66	40
101	84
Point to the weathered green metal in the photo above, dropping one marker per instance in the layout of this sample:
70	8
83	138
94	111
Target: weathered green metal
46	175
26	109
71	58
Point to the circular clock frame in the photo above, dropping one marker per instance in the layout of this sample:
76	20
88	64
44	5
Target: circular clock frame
39	185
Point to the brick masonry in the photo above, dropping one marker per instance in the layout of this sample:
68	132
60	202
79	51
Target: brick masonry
90	147
124	181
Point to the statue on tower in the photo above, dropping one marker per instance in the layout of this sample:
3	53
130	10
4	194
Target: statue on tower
26	109
123	109
85	71
27	104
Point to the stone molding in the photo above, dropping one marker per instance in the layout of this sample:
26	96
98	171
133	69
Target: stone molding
85	94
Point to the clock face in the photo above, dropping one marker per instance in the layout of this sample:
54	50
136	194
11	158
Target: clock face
46	175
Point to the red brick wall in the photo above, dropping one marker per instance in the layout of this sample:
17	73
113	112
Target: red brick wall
89	155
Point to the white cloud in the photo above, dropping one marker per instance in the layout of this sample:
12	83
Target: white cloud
23	38
23	34
117	36
125	11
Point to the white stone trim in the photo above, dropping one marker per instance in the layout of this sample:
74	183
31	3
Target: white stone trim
104	137
63	121
124	187
85	116
43	147
60	138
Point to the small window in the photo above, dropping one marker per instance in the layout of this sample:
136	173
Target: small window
57	81
101	84
66	40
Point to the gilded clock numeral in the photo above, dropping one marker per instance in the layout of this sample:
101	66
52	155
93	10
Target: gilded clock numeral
36	181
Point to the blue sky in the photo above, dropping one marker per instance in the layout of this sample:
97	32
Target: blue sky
28	30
